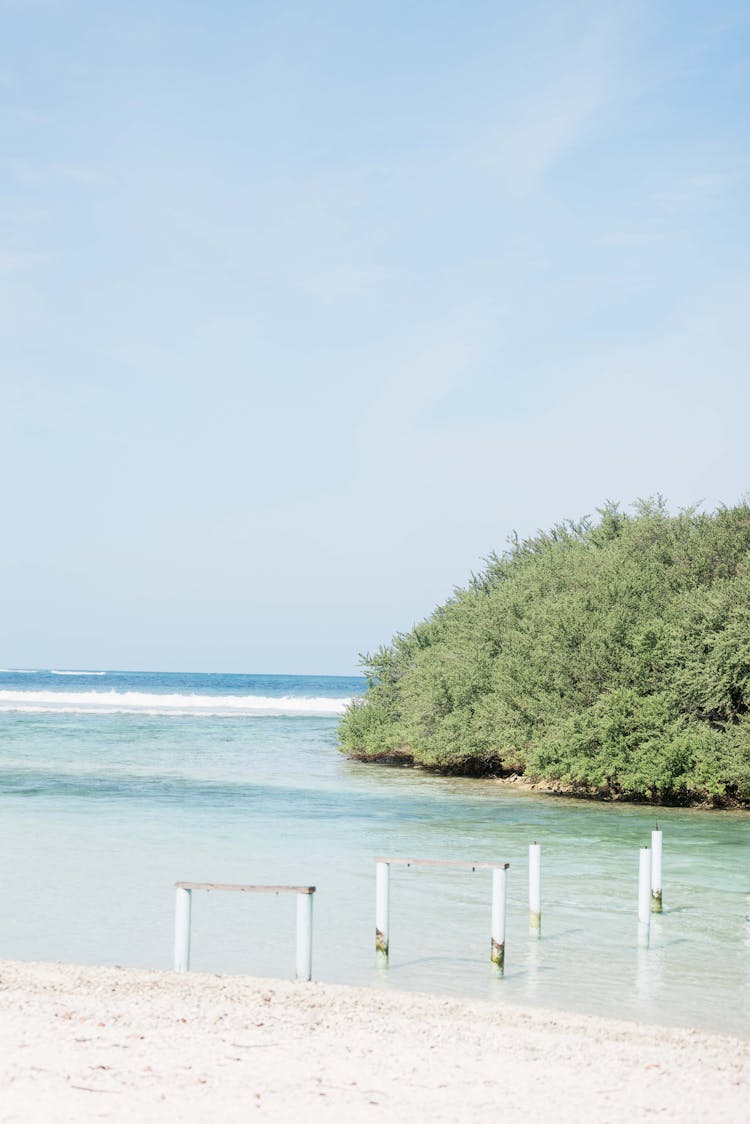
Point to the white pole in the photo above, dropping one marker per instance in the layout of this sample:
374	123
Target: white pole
535	890
656	850
644	897
497	944
382	909
304	936
183	904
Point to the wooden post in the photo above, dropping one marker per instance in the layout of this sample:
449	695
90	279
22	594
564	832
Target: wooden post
382	904
497	940
656	863
304	919
304	936
644	897
183	909
535	890
382	910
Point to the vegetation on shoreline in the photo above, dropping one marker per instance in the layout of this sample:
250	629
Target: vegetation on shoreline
610	657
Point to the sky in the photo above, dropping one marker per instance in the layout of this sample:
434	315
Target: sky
305	308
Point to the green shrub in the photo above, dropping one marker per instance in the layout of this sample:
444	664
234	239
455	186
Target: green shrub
611	655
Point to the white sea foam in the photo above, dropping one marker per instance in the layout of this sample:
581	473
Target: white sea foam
18	671
136	702
78	673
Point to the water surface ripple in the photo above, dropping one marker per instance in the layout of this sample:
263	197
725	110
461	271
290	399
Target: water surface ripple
104	811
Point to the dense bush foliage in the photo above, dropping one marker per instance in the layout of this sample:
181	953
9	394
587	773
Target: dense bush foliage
611	656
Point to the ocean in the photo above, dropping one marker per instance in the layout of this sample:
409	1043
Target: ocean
114	785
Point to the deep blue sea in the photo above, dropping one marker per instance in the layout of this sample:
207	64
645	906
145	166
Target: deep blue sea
114	785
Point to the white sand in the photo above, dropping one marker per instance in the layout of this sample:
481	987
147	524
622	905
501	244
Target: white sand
79	1044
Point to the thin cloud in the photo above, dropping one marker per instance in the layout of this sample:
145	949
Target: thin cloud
706	187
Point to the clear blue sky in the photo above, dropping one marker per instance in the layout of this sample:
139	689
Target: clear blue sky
306	306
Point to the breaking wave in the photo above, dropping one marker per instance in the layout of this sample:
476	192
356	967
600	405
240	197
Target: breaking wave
78	673
136	702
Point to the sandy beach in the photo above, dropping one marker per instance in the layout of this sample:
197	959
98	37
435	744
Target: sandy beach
82	1043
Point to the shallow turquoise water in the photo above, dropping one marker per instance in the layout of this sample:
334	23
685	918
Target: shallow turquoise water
102	812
